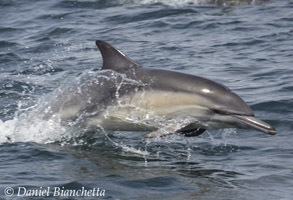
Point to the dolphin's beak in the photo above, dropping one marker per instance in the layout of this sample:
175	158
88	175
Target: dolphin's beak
254	123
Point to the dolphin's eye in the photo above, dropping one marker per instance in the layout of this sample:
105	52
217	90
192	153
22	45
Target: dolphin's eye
220	112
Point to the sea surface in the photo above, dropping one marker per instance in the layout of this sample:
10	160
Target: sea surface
46	45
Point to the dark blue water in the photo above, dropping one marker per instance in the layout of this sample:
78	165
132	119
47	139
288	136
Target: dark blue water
246	45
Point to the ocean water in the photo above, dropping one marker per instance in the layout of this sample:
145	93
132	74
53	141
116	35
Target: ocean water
48	45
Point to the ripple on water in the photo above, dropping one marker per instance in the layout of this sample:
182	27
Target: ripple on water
10	58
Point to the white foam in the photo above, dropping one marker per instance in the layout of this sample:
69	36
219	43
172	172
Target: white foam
32	130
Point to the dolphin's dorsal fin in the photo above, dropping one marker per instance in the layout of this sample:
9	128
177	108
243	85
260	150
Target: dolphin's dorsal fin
114	59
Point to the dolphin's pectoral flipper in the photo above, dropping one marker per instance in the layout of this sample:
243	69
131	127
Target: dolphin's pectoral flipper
168	130
193	132
186	129
164	132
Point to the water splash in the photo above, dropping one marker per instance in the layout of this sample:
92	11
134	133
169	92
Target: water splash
45	121
22	129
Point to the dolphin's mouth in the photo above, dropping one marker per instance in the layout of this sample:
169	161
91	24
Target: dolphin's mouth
254	123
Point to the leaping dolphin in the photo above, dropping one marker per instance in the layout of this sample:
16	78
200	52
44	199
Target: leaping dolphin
127	97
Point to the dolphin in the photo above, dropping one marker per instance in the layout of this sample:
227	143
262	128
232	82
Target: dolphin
124	96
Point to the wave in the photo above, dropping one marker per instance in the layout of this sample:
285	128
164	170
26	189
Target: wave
199	2
175	3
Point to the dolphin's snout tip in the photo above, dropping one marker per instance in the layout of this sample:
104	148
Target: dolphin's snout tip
267	129
272	131
257	124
